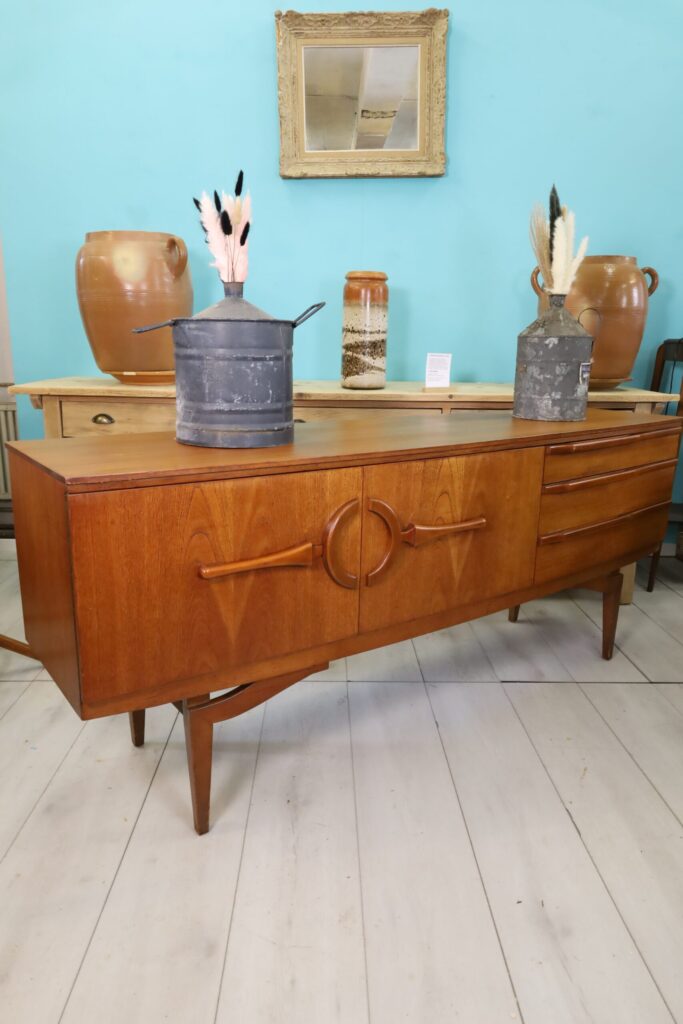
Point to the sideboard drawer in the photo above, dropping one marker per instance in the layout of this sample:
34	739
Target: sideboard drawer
211	576
595	499
569	460
627	537
112	416
440	533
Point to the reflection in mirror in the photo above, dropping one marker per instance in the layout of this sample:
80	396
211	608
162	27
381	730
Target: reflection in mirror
361	97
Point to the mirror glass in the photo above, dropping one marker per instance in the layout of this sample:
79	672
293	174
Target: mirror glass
361	97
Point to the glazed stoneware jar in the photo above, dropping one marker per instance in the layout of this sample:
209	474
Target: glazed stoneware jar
128	279
610	298
364	330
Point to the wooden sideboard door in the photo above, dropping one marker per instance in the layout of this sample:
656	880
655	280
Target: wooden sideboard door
179	581
445	532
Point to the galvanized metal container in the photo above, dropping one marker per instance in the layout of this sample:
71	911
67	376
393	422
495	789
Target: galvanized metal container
233	366
553	367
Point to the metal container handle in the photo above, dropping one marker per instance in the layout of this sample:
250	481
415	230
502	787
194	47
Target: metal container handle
307	314
153	327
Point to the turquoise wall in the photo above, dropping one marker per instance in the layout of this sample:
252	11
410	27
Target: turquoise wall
114	116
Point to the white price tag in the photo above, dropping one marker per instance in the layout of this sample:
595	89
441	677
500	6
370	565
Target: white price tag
438	372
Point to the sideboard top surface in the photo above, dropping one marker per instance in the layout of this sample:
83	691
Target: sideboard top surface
129	460
326	390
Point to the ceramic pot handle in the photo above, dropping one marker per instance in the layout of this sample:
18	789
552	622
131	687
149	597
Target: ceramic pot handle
654	279
177	246
590	309
535	284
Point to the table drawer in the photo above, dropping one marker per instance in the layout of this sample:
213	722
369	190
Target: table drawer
624	538
572	503
570	460
179	581
112	416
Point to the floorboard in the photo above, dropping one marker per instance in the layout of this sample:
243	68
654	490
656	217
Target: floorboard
36	734
518	650
396	663
631	835
432	949
453	655
571	959
655	652
296	951
576	640
168	912
55	877
640	716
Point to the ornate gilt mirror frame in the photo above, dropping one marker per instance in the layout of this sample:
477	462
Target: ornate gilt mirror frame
423	29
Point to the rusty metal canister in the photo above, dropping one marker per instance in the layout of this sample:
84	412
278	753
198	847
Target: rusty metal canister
234	375
553	367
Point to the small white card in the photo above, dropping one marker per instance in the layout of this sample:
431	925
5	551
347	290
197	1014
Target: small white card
438	372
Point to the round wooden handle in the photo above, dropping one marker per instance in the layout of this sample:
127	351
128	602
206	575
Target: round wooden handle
393	525
177	246
654	279
334	569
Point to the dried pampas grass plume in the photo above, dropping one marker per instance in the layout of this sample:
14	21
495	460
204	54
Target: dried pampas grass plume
227	222
539	233
552	240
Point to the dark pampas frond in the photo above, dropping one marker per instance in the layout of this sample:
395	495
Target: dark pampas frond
217	200
555	212
226	223
245	233
197	203
239	183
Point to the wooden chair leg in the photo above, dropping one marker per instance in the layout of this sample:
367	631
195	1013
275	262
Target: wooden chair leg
513	613
199	746
611	598
137	727
654	565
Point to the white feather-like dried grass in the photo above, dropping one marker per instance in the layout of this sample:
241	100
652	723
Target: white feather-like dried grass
539	233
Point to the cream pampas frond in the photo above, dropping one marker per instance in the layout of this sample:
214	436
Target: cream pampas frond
227	221
539	233
553	243
565	263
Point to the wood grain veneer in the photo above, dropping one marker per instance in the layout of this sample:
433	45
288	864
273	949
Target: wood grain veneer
43	552
152	572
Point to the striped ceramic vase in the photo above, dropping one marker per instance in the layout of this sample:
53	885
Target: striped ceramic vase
364	330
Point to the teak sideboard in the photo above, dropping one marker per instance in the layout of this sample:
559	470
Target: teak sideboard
152	572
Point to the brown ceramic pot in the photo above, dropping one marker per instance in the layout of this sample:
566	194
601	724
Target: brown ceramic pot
128	279
364	330
609	296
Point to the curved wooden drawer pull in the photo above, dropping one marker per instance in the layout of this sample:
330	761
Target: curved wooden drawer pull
299	555
608	442
411	534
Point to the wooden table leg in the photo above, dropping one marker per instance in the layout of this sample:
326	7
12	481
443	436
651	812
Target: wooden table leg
513	613
610	588
199	745
200	714
136	720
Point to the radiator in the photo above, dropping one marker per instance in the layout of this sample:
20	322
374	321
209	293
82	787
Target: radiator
8	432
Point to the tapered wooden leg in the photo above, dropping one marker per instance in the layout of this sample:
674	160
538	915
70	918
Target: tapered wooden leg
611	598
654	565
199	745
513	613
137	727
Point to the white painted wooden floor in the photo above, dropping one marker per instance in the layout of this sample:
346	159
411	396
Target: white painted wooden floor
482	826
